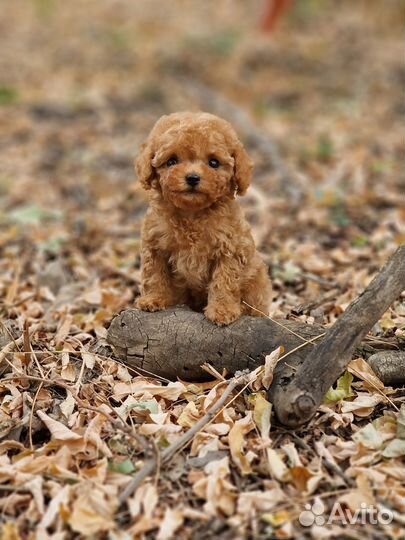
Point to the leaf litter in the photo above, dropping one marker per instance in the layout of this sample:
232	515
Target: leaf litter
76	426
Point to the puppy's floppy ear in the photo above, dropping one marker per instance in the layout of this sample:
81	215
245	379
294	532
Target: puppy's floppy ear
243	168
143	165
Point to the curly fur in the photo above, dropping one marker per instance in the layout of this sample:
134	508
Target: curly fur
197	248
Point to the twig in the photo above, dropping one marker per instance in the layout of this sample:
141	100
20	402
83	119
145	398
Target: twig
80	377
212	371
302	308
15	343
19	302
278	323
31	418
28	347
320	281
301	346
182	441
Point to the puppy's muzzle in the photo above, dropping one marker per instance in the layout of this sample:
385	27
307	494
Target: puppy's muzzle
192	180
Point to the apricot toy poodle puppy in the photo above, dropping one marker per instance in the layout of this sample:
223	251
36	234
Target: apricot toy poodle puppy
197	248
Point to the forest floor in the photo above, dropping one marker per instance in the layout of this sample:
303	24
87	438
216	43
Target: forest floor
80	87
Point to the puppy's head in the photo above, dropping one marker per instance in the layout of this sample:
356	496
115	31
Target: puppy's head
193	160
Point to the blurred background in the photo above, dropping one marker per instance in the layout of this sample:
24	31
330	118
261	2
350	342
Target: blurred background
314	87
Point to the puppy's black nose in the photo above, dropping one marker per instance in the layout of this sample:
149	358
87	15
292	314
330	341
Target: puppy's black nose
192	180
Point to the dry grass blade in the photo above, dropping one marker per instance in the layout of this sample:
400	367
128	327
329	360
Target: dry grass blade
278	323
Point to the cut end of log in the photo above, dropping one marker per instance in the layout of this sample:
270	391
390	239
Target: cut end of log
296	409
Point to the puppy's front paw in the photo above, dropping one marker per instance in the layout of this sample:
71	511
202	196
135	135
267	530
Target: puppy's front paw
222	314
150	302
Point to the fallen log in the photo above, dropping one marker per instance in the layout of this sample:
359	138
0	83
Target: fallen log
389	366
175	343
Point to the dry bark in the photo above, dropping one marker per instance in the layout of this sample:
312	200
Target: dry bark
175	343
389	366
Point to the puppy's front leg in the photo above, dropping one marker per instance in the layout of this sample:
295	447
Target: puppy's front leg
224	296
158	290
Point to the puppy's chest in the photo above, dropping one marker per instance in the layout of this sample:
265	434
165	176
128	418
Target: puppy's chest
191	256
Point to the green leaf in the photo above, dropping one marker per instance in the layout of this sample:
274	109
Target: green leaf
343	389
53	245
118	447
288	274
401	423
224	43
8	95
124	467
369	437
33	215
150	405
360	241
394	448
325	149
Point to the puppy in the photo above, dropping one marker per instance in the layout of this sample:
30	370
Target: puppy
197	248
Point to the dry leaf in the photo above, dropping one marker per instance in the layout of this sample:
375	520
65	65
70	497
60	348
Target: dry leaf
172	520
237	441
261	413
89	359
270	363
58	430
276	465
363	371
91	513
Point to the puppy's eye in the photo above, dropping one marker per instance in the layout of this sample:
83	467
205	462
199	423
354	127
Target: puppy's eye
172	161
214	163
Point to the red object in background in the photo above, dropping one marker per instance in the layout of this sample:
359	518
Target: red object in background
274	9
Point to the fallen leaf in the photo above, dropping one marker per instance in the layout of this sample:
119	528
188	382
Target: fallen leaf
89	359
60	499
189	415
237	442
270	363
261	413
67	406
401	422
172	520
342	390
92	513
363	405
363	371
144	501
369	437
395	448
276	465
58	430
